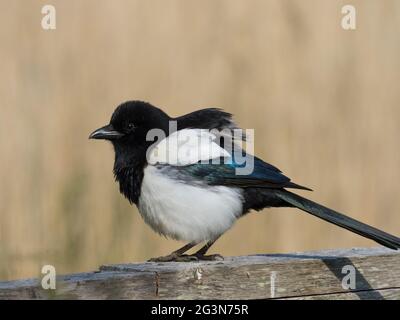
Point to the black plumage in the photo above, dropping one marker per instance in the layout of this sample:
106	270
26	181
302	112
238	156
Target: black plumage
264	187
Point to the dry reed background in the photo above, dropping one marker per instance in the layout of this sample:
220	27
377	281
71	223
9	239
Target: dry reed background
324	103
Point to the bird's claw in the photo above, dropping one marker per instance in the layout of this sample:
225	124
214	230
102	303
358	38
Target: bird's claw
174	258
187	258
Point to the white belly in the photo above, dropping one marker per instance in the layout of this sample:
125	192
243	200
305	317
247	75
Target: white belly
187	212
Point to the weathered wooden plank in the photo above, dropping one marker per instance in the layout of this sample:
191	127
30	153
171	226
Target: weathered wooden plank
295	275
300	275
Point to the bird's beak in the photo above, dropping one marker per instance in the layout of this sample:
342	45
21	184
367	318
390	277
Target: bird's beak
106	133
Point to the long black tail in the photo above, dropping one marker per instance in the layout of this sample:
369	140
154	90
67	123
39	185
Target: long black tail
339	219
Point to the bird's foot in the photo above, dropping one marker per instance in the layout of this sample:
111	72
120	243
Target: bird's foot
173	257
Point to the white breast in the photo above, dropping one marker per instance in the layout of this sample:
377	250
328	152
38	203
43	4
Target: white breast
187	212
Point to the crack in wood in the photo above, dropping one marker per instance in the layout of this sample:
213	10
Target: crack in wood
157	282
334	293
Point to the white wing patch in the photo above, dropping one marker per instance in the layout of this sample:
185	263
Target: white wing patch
187	146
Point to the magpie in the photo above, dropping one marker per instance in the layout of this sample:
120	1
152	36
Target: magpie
183	194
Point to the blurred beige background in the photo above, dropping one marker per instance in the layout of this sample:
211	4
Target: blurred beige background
324	103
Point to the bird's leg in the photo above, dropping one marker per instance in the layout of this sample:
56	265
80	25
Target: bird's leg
201	253
177	255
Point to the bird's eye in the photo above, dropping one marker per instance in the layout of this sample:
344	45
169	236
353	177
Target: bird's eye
131	126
